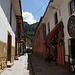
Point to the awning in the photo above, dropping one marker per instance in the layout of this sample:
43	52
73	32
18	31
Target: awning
21	40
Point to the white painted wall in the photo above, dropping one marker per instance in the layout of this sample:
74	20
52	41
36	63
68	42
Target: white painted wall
5	4
65	16
4	22
49	17
13	21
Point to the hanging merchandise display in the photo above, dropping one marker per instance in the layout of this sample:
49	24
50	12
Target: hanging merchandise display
55	37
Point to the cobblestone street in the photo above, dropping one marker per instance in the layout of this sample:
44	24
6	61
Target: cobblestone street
30	64
41	67
37	37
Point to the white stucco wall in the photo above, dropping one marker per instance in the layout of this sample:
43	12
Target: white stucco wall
65	16
13	21
49	17
64	8
4	22
5	4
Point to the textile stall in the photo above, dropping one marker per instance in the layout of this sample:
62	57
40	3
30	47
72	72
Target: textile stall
54	40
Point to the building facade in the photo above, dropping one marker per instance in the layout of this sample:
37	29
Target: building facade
19	34
59	16
9	9
60	32
38	43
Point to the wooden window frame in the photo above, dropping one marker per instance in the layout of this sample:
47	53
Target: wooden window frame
11	14
56	18
48	27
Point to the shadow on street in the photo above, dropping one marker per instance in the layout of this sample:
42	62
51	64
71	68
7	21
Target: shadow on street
38	66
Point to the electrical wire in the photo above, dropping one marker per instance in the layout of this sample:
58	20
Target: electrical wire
43	1
33	4
36	6
40	7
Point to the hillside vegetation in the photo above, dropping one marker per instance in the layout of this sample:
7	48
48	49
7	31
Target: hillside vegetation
29	30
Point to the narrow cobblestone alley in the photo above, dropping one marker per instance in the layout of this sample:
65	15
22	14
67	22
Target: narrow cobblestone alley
30	64
37	37
41	67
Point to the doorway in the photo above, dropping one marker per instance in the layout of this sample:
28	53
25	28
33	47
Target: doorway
15	46
73	48
72	54
9	48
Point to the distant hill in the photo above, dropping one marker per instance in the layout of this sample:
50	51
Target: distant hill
30	31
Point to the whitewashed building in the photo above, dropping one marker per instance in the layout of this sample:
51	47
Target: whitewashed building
62	11
9	9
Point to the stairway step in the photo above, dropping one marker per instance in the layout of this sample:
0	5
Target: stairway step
9	64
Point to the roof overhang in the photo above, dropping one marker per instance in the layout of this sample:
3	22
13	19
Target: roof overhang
56	3
16	4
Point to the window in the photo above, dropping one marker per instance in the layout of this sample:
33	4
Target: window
18	34
19	27
39	32
72	7
11	15
44	31
48	27
56	18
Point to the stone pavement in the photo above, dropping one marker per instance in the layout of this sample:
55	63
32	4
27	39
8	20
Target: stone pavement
31	64
19	67
41	67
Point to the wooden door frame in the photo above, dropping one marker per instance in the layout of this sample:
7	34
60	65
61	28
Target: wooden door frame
15	45
9	47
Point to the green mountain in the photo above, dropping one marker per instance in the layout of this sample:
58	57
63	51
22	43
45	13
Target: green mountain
29	30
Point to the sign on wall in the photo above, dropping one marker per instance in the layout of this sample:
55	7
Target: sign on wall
71	26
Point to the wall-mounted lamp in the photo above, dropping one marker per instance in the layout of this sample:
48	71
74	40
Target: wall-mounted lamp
56	9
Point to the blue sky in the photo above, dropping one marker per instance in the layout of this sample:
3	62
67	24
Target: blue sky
33	10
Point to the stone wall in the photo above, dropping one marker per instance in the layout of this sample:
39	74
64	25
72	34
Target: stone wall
12	54
3	55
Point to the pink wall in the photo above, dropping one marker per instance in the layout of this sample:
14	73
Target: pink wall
38	47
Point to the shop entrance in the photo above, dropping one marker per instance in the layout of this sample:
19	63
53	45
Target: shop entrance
9	48
72	54
15	46
73	48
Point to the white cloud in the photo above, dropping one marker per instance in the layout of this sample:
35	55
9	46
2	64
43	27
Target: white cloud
28	17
